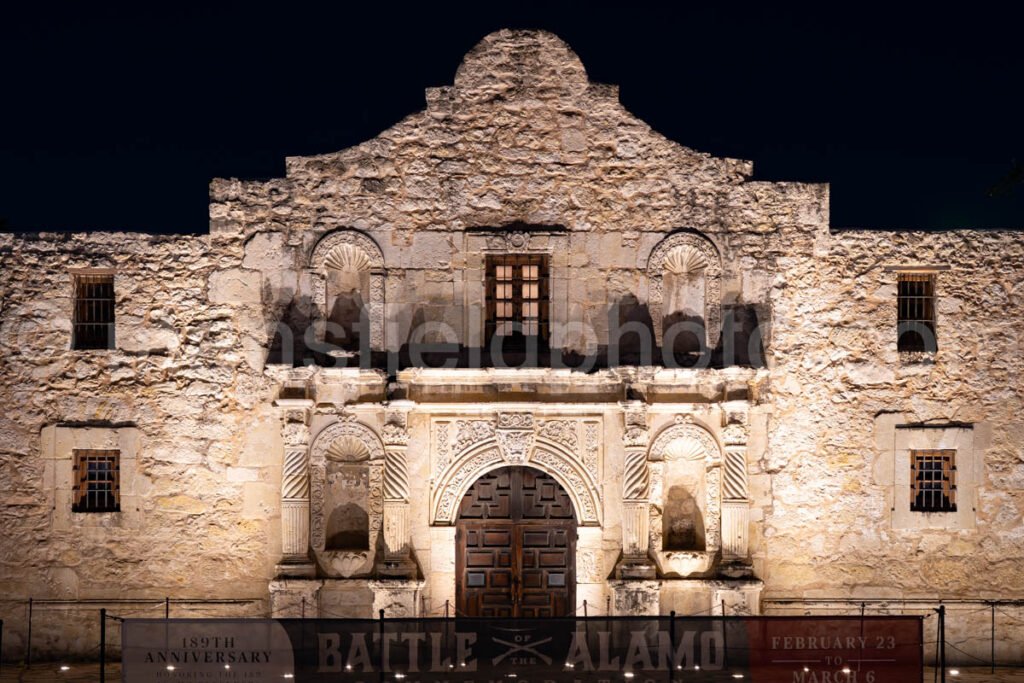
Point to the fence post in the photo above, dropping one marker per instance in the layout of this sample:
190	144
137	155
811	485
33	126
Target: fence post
167	608
725	639
1	645
380	649
446	609
103	644
942	641
671	643
28	643
993	667
584	609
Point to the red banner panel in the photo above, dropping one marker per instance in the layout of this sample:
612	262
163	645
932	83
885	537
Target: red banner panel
835	649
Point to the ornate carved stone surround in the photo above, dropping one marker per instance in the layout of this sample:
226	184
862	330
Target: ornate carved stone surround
354	249
335	442
464	448
686	252
725	502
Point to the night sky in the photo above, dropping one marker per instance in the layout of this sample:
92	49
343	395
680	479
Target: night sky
117	118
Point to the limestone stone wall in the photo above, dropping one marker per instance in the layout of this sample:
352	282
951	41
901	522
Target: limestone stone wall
201	488
520	154
828	484
522	137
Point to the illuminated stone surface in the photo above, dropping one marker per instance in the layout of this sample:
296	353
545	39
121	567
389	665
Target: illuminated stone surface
521	138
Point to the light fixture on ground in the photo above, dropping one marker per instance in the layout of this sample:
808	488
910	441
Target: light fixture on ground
170	667
65	667
954	672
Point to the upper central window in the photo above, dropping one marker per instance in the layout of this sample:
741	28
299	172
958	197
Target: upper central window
517	297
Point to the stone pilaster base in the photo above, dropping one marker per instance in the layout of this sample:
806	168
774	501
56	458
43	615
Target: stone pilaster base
741	597
399	598
297	568
636	569
398	568
295	598
635	598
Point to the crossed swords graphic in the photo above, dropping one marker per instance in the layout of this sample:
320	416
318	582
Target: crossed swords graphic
525	648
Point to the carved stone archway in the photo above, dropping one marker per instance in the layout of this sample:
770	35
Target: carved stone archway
687	440
351	248
680	252
514	439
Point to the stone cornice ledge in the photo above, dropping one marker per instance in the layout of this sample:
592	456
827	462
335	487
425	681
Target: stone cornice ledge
617	384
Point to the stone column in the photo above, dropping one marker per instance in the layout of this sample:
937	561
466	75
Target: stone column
636	483
397	557
735	502
295	560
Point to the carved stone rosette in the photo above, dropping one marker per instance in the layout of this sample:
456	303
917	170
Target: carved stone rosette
397	561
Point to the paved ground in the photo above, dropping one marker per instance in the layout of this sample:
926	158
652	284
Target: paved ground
82	673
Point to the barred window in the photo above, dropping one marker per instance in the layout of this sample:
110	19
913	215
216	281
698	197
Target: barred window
93	322
933	480
517	296
97	477
915	324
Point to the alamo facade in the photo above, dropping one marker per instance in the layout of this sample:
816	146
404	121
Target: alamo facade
517	353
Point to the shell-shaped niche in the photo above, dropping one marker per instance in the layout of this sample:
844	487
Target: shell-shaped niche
347	449
347	257
684	449
684	260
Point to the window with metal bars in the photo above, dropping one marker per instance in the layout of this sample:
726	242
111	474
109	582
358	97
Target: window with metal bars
93	321
517	297
933	480
915	324
97	477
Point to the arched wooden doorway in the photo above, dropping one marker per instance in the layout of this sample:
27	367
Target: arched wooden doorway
515	546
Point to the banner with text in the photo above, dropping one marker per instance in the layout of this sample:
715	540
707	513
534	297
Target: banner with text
638	649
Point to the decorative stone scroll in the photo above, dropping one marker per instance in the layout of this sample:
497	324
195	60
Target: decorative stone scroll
465	449
357	251
515	436
397	543
295	494
735	503
686	253
636	481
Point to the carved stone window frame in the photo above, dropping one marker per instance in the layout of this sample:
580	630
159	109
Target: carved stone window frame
325	251
59	443
704	249
516	238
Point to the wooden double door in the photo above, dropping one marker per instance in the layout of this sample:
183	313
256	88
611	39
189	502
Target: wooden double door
516	547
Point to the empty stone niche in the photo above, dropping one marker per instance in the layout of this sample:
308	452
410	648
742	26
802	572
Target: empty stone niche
348	546
347	275
683	502
685	290
685	491
347	290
